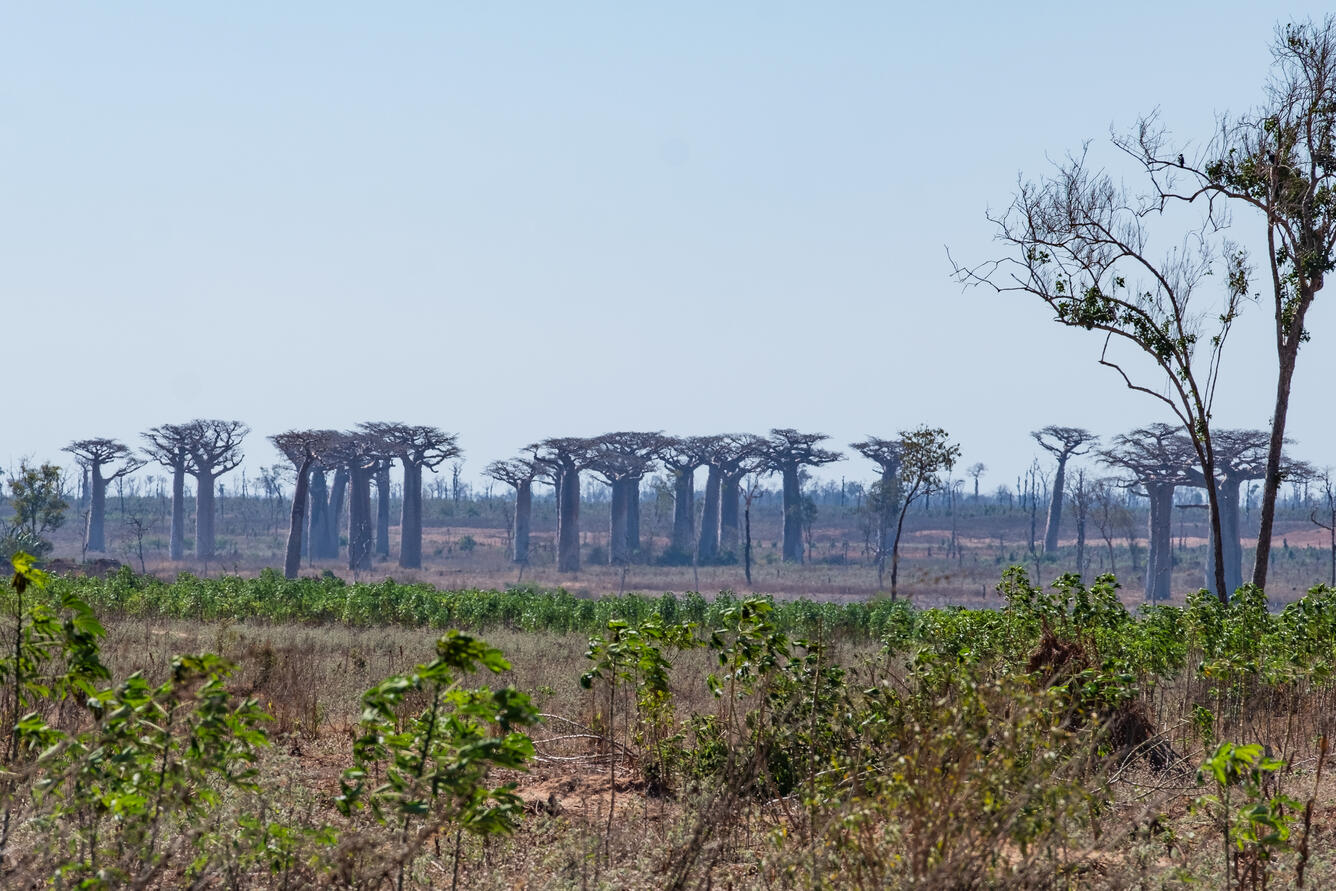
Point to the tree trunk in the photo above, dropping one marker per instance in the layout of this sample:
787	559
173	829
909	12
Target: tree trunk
793	516
1271	488
318	521
410	518
383	511
618	549
523	515
1160	562
746	552
633	517
176	546
568	522
1055	508
359	519
730	498
708	549
335	516
96	539
203	514
1080	543
292	560
684	496
1230	534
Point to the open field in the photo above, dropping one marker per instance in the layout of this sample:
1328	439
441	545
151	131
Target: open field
1054	742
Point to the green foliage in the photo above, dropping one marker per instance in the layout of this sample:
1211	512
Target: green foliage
35	495
435	759
1258	828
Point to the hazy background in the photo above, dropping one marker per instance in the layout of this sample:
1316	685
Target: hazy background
514	221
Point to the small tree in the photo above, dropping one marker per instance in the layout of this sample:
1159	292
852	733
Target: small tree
37	497
924	453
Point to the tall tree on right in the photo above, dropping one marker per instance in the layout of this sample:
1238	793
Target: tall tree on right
1278	161
1064	443
787	452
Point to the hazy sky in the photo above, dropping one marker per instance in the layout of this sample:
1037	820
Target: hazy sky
522	220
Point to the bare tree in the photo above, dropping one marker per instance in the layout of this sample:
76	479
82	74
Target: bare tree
975	471
1328	518
215	449
787	452
1082	497
416	447
168	445
566	456
885	497
1111	516
1160	460
1279	162
520	473
924	453
622	459
1064	443
682	456
94	455
302	448
1081	243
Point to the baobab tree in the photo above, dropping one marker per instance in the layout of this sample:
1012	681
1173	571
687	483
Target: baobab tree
94	455
360	454
168	445
726	462
787	452
302	448
416	447
622	459
519	473
1158	459
566	457
215	449
681	457
745	457
1064	443
924	453
887	454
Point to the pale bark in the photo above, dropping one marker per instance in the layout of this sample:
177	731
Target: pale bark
1055	507
793	517
684	507
568	526
97	509
619	552
523	518
176	544
730	503
292	559
359	518
204	495
383	510
1160	562
410	518
707	551
633	516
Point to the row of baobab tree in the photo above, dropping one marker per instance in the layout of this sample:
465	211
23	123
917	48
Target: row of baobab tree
360	458
335	467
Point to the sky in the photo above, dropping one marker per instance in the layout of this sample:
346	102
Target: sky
522	220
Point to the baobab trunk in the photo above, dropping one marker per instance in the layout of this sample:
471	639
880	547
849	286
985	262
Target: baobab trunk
292	560
176	546
684	483
618	550
708	549
203	515
410	519
568	522
359	519
1160	563
730	499
97	508
334	524
383	511
1230	546
1055	509
633	516
318	521
793	519
523	516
